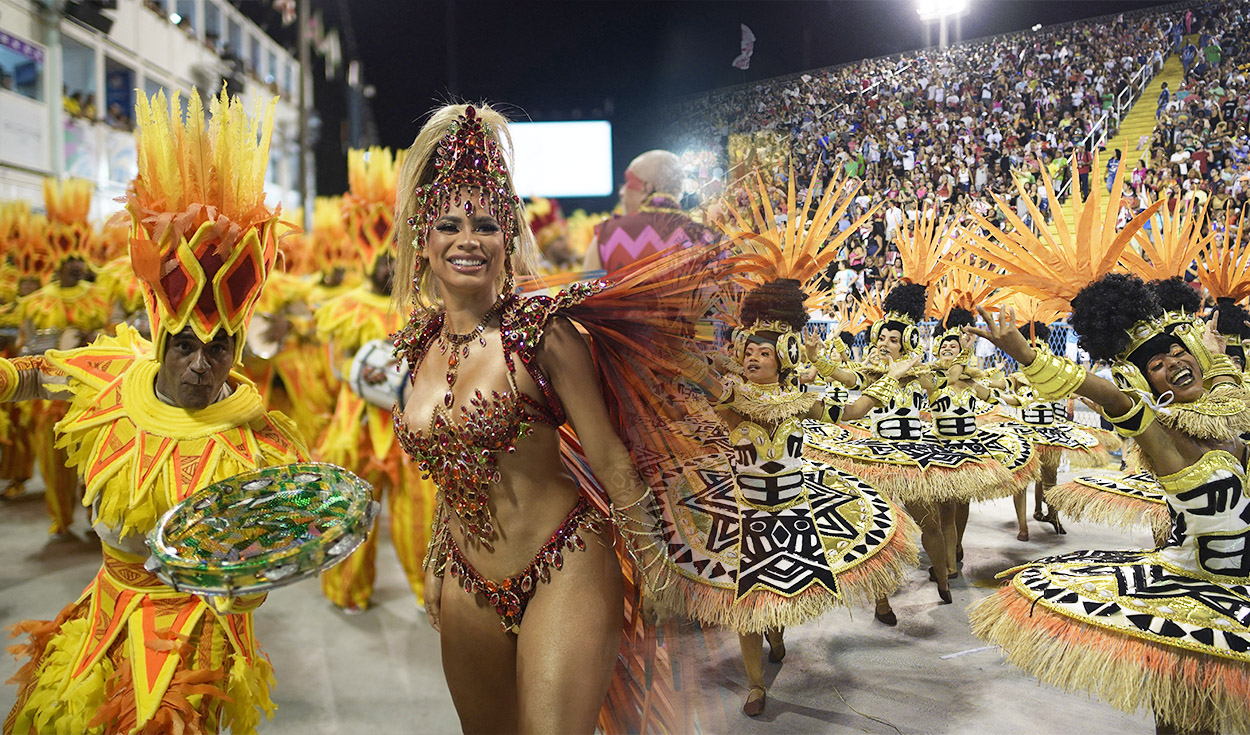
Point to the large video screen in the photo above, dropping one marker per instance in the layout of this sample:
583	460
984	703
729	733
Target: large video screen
563	159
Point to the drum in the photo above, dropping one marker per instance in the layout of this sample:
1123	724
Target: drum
258	340
42	341
262	529
379	354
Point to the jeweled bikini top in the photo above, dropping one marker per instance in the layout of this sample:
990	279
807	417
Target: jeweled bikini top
461	455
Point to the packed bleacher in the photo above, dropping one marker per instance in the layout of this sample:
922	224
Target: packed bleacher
949	127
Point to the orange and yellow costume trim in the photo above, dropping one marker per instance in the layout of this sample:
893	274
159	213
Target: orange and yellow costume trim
131	655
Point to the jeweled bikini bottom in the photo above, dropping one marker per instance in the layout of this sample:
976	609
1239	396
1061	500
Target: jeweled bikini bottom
511	596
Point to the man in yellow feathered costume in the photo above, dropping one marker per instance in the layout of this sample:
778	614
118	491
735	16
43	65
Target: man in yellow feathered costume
360	436
148	424
70	308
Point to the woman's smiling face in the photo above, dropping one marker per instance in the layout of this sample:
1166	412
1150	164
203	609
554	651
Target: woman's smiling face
466	249
1177	371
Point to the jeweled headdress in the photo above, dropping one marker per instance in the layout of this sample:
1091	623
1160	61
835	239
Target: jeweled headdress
369	204
68	204
468	157
202	241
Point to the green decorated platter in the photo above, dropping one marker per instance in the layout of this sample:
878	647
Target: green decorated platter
262	529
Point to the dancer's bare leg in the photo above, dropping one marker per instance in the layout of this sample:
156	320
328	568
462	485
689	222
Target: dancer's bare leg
1021	501
479	661
961	525
569	639
947	512
752	645
928	517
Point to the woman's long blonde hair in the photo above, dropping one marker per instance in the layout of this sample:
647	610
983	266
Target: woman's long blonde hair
413	279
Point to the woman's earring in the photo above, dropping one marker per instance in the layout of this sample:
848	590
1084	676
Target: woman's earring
509	283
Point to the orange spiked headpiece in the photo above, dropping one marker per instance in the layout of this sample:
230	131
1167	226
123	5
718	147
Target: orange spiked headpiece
68	203
369	205
332	246
202	240
25	238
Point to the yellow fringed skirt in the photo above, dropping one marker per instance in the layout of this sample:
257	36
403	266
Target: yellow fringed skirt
134	656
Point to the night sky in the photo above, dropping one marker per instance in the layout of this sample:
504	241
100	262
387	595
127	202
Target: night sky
626	61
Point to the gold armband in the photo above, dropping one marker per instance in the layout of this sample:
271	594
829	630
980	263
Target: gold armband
8	380
1053	378
825	366
832	413
1136	420
884	389
726	396
1222	365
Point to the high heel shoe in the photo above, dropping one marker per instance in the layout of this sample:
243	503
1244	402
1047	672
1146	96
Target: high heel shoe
1038	515
945	594
776	645
754	705
1053	519
886	618
1023	535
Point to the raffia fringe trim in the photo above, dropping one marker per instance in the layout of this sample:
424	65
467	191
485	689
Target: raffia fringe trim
1193	691
1203	426
1083	503
904	484
771	409
1089	458
877	577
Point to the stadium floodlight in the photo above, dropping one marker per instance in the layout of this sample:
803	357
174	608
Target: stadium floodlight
937	9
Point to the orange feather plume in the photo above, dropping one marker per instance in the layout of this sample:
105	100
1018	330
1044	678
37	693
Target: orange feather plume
1176	245
1224	267
801	248
1049	268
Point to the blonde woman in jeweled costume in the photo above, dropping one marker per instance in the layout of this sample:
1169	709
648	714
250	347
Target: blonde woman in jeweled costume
523	582
148	424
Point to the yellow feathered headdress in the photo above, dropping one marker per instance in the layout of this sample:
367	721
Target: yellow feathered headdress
202	241
68	204
369	205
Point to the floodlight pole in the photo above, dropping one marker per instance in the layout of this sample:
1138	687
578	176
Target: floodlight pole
305	58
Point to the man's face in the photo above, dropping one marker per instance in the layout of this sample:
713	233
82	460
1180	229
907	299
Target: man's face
634	191
193	372
380	279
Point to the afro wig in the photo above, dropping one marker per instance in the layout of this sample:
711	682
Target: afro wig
958	317
1231	319
1176	295
779	300
1104	311
1039	329
908	299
